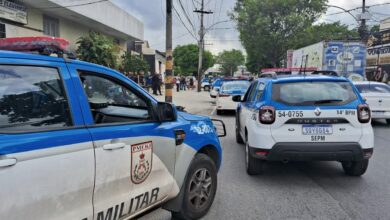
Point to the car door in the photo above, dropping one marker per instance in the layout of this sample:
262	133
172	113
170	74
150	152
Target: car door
135	154
246	106
46	154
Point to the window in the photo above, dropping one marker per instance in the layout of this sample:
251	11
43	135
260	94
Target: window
32	98
260	91
2	31
51	26
253	91
111	102
313	93
373	88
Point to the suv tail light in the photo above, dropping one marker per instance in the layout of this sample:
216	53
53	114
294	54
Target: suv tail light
267	115
364	113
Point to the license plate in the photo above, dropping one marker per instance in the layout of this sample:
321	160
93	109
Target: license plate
317	129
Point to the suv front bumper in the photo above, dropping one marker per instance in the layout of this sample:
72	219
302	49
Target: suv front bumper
335	151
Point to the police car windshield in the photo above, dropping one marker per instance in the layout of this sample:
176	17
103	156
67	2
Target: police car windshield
373	88
313	93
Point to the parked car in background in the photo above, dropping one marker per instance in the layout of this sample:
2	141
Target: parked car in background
377	96
206	84
228	89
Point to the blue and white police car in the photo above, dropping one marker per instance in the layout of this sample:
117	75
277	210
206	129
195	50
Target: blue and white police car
303	119
82	141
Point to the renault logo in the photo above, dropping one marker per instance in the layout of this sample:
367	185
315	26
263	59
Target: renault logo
317	111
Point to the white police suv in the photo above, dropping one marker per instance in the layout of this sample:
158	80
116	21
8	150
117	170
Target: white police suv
304	119
81	141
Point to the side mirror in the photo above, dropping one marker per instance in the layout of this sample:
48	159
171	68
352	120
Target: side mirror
236	98
166	112
217	89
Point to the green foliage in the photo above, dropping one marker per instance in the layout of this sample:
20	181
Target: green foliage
132	63
186	59
230	60
268	28
324	31
99	49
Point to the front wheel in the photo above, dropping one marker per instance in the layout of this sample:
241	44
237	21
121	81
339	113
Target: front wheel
388	121
200	188
355	168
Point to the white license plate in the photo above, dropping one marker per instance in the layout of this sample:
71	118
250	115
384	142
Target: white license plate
317	129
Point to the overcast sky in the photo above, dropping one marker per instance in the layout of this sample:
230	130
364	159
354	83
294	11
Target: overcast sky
222	36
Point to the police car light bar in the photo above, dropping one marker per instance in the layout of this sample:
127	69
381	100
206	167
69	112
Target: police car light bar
42	44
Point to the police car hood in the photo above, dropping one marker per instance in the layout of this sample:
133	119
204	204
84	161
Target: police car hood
191	117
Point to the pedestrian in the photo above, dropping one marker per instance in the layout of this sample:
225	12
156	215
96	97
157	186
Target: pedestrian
155	83
159	83
192	83
183	85
177	84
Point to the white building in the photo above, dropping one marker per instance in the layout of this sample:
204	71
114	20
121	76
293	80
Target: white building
69	19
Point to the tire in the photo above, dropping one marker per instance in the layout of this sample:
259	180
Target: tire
253	166
388	121
239	139
202	172
206	88
355	168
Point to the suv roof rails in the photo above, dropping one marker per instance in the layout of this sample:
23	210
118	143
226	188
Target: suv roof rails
42	45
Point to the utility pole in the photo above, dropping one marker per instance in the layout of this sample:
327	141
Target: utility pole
168	55
201	44
363	31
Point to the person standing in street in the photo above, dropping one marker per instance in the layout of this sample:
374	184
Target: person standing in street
155	83
191	83
183	83
177	83
159	83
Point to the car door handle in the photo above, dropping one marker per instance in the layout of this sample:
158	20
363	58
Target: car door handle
7	162
114	146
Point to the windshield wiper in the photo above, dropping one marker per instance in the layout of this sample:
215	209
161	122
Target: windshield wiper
324	101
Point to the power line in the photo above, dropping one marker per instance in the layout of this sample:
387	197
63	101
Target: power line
71	6
353	9
187	16
182	22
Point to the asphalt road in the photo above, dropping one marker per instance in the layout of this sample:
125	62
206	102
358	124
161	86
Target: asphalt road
314	190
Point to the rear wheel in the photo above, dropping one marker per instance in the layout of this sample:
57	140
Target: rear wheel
253	166
206	88
355	168
200	188
388	121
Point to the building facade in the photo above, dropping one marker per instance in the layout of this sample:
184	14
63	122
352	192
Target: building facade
68	19
378	54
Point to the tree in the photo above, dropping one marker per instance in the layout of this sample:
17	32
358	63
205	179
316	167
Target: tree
132	63
268	28
324	31
186	59
99	49
230	60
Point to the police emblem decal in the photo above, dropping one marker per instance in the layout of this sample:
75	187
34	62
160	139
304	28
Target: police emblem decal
141	161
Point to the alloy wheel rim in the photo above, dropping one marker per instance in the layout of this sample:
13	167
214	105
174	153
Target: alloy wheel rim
200	188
